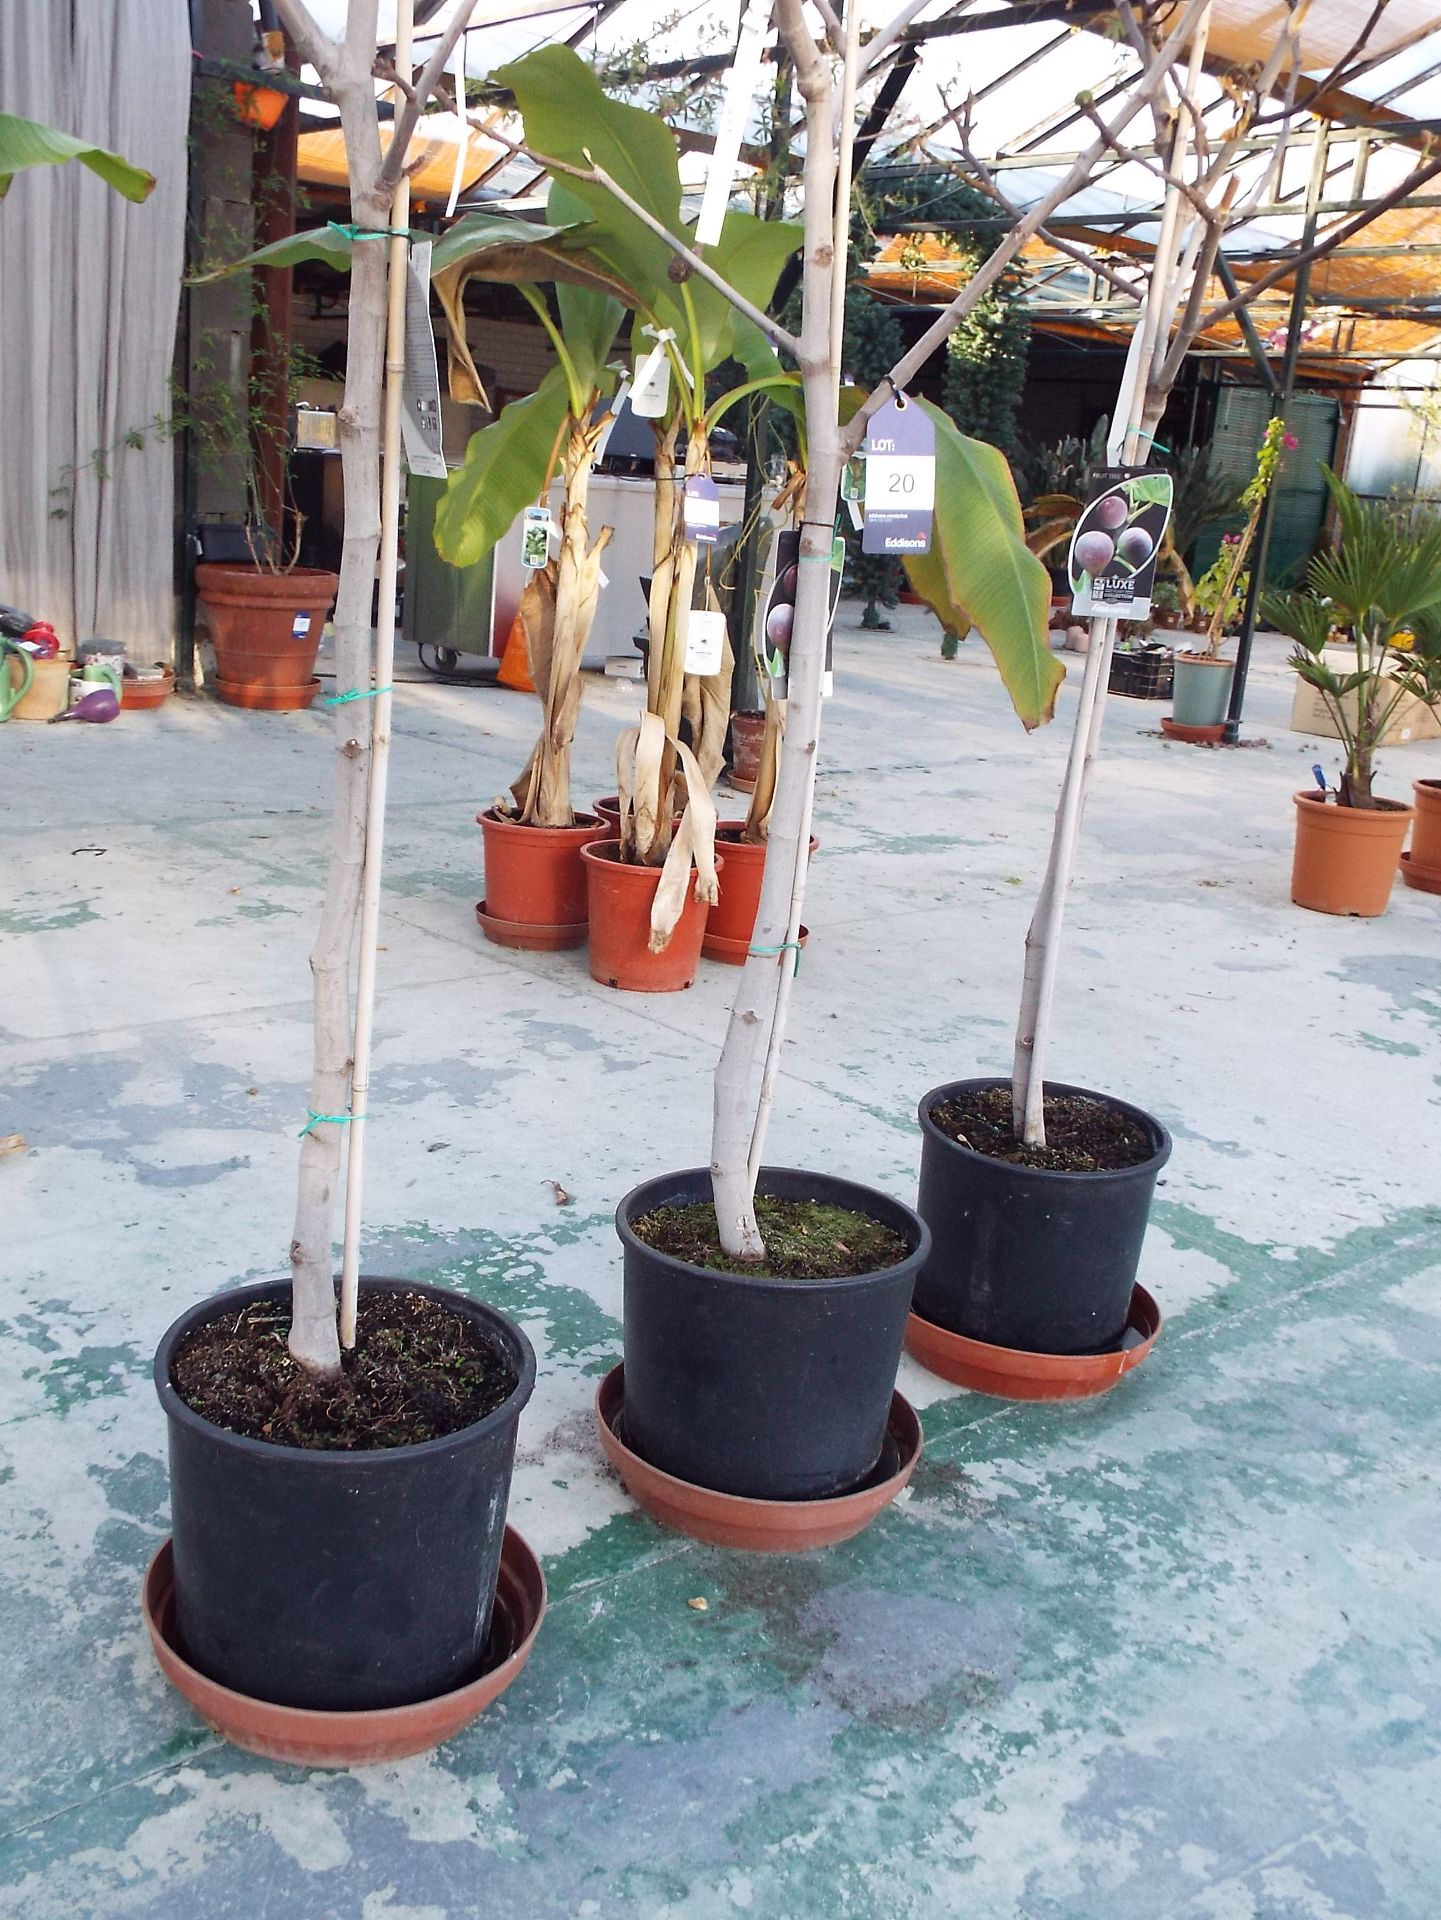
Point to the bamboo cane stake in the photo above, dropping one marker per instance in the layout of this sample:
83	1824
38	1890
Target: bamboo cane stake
382	674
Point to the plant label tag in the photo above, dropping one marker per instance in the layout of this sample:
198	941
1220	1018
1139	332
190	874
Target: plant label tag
773	642
300	626
737	105
702	509
1117	542
535	538
650	388
420	382
900	479
705	639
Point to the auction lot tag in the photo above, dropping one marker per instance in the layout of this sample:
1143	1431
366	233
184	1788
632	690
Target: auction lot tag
900	479
702	509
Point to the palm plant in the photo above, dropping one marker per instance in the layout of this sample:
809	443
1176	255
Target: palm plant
1379	587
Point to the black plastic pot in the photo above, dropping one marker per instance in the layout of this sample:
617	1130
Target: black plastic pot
334	1579
1042	1262
770	1389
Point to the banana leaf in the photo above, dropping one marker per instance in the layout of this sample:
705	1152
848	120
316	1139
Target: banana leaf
979	571
26	143
505	469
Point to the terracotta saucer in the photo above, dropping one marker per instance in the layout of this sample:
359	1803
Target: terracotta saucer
1424	879
757	1526
1013	1374
530	939
1193	736
240	693
732	953
146	693
306	1738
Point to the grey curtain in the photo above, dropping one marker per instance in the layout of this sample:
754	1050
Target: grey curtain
89	290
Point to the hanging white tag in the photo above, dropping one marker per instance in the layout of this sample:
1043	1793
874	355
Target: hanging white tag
702	509
420	382
650	389
535	538
736	107
705	638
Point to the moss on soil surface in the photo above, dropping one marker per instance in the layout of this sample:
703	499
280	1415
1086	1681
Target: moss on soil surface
804	1240
418	1372
1082	1135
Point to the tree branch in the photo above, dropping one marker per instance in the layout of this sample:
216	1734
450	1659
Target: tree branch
315	48
911	362
416	96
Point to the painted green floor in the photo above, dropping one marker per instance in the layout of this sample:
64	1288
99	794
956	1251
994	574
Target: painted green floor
1172	1655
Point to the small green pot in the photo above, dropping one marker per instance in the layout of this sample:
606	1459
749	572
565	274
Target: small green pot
1201	691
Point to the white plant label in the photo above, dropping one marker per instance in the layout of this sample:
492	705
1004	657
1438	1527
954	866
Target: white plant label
705	639
736	105
650	389
420	383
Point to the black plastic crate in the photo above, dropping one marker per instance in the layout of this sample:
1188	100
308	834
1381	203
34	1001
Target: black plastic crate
1143	674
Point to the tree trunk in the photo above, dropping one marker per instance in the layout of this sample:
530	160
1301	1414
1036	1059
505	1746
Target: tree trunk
735	1139
314	1340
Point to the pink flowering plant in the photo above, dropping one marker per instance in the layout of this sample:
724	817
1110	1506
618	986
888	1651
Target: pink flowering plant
1221	589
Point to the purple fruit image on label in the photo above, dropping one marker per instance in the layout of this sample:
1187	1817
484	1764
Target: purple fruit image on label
1112	512
779	622
1095	552
1134	548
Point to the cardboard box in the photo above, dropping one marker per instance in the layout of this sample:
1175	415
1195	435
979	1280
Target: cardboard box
1412	720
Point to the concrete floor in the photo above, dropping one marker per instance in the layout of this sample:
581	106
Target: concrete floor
1172	1653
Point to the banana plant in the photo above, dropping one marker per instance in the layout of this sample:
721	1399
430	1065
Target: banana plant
570	120
28	143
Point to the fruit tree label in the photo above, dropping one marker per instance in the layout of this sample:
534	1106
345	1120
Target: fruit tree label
1117	542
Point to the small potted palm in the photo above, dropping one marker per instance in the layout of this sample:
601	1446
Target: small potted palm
1366	638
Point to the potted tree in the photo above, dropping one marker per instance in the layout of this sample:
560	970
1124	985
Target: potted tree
764	1308
1372	600
1202	683
340	1584
1024	1180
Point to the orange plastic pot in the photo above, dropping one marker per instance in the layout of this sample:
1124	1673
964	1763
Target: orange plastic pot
733	918
748	732
253	616
1346	857
534	878
1426	833
619	898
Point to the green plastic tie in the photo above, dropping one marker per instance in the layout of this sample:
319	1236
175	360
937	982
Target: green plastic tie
360	693
350	232
786	946
326	1119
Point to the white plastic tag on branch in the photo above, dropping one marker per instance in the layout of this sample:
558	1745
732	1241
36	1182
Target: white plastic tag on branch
740	90
650	389
462	139
420	382
705	639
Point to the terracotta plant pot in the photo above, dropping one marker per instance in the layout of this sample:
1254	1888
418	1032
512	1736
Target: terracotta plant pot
757	1526
305	1737
748	732
252	616
1012	1374
335	1581
619	898
608	810
262	699
1346	857
534	882
150	693
1421	867
1193	736
1200	691
763	1388
1025	1258
732	919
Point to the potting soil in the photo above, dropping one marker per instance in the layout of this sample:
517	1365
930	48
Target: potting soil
1082	1135
804	1240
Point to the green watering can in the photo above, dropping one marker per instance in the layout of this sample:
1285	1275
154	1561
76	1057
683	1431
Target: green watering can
12	692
